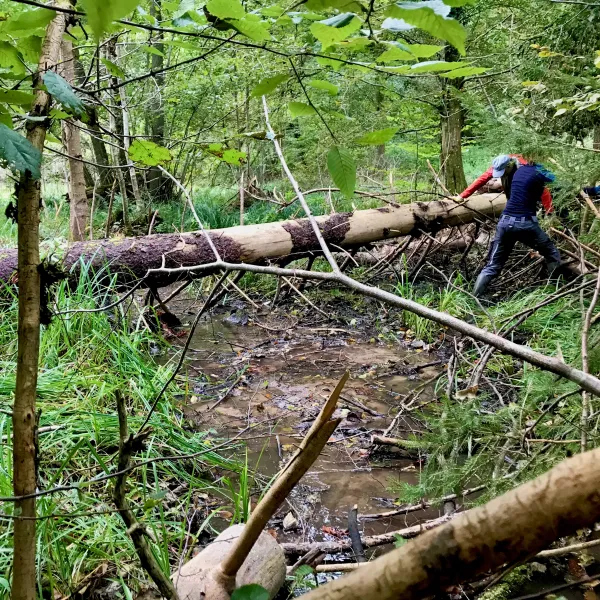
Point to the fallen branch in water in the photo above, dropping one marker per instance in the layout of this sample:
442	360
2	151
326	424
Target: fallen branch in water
370	541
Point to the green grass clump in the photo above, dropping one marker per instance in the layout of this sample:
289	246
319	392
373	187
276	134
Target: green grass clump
85	359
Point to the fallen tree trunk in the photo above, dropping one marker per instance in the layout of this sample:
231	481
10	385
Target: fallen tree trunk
131	258
506	530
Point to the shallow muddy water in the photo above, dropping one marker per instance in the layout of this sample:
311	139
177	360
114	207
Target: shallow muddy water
241	374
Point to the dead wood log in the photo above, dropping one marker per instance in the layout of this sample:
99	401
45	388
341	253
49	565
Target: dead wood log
131	258
505	531
370	541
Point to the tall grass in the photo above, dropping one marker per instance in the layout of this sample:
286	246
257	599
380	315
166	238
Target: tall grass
85	358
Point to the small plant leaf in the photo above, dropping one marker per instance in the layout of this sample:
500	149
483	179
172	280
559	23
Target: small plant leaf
148	153
100	15
431	16
328	87
30	20
16	97
251	28
10	58
226	9
376	138
250	592
60	90
18	152
300	109
342	169
113	69
332	34
268	85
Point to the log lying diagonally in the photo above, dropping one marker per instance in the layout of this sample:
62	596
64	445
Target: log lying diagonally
131	258
506	530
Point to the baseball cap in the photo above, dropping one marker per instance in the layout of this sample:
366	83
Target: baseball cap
499	165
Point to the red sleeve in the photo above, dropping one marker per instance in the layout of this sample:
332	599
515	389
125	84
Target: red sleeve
547	201
478	183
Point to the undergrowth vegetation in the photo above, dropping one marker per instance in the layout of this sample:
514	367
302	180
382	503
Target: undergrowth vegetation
485	436
86	359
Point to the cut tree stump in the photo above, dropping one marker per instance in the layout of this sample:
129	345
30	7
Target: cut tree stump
265	566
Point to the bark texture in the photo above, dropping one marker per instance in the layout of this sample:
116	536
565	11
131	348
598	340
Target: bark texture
506	530
79	207
132	257
24	417
452	117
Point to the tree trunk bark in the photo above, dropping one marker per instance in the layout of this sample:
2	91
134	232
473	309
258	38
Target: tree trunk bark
24	415
159	186
452	117
100	155
80	210
451	161
132	257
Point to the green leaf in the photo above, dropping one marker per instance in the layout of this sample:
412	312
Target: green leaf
424	50
30	20
376	138
255	30
151	50
357	44
435	66
18	152
336	65
303	571
456	3
31	48
60	90
250	592
465	72
148	153
395	52
341	5
561	111
58	114
234	157
342	168
274	11
113	69
102	13
339	21
329	35
268	85
16	97
226	9
5	118
429	16
319	84
10	58
50	137
299	109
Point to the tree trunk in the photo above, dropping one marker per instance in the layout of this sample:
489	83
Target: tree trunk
159	186
80	210
452	117
507	530
100	155
24	415
132	257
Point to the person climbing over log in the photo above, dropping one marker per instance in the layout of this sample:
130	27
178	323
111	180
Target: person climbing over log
518	222
504	167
